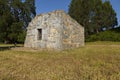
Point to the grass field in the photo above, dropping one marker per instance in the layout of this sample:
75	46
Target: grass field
95	61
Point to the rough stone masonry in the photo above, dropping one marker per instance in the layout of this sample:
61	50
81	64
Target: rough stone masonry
54	30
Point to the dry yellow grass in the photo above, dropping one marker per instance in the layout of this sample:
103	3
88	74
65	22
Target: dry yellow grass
92	62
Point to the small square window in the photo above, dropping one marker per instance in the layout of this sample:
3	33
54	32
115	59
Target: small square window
39	34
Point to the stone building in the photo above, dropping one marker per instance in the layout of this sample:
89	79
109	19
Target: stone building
54	30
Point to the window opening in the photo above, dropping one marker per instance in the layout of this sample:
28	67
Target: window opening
39	34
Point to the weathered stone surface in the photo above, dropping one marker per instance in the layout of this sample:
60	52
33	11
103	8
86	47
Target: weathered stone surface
59	31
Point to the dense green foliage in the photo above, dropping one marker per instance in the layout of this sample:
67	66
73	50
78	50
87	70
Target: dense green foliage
14	18
108	35
94	15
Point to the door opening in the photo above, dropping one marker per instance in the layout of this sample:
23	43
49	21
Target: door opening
39	34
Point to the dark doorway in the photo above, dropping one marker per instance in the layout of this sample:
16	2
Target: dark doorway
39	34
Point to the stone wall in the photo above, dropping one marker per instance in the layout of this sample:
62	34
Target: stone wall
73	33
59	31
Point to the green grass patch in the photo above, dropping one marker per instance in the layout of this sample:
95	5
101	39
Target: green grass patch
102	43
5	45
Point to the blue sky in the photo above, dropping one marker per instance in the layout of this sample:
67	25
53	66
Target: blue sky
43	6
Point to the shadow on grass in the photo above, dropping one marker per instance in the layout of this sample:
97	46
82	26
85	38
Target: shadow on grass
3	48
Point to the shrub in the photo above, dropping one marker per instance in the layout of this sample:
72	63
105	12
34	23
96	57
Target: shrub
109	35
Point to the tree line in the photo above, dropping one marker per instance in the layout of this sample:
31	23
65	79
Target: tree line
14	18
95	15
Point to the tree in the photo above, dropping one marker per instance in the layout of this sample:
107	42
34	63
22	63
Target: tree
23	11
94	15
97	18
15	16
80	10
5	21
110	19
28	11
